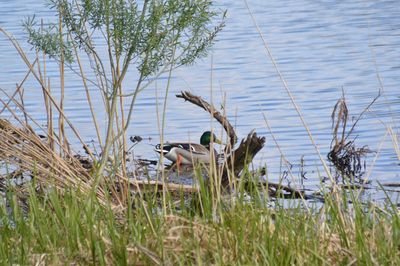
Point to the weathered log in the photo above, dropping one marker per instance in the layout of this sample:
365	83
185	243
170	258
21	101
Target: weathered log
151	184
242	156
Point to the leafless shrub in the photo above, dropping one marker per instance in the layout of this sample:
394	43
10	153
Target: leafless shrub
346	157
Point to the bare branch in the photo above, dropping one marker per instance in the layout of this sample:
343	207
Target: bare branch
197	100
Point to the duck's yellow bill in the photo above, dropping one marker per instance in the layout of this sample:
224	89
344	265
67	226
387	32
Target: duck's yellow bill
218	141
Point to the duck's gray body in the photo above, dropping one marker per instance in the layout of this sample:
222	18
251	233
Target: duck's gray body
189	153
185	153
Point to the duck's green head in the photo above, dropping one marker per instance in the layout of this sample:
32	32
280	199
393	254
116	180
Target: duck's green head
207	137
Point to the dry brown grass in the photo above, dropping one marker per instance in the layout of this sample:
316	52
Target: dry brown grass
28	154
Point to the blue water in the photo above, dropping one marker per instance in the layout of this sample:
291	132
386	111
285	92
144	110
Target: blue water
321	48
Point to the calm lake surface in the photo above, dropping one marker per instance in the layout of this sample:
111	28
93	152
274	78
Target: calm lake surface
320	47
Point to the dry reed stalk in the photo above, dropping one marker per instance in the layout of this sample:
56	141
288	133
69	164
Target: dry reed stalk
50	127
123	147
283	156
26	151
61	127
18	105
291	96
21	52
395	140
297	108
378	152
19	86
47	103
88	97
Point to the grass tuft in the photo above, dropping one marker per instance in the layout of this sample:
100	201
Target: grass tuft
64	228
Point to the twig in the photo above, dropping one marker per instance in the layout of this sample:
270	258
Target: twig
362	113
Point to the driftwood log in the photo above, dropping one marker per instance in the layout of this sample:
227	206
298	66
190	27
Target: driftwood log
236	160
242	156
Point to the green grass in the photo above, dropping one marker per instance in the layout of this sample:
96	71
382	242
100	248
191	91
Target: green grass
68	221
64	228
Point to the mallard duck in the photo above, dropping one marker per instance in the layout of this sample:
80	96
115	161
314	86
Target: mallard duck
189	153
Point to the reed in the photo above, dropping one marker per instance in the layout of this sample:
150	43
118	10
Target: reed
153	36
72	214
243	231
